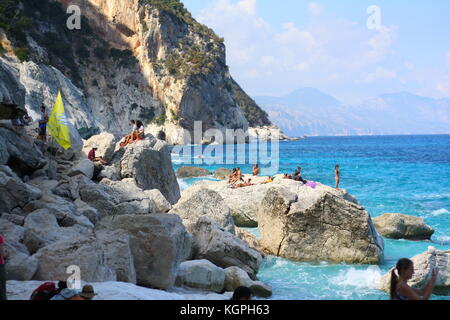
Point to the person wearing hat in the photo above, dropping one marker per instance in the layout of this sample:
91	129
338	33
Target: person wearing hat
94	158
86	294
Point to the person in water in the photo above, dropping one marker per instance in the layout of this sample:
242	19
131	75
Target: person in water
256	170
337	175
400	290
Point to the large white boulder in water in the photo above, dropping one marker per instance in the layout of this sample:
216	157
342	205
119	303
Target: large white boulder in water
244	202
158	242
316	225
424	264
402	226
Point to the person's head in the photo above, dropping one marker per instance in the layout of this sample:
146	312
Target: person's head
43	108
405	270
139	123
256	166
337	166
88	292
234	170
299	168
62	285
242	293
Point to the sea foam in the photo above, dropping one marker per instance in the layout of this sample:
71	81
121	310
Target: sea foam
362	279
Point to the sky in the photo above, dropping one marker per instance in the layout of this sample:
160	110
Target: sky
351	49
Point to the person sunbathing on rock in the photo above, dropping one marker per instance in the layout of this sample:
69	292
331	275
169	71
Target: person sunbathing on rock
243	185
129	137
268	180
232	178
287	176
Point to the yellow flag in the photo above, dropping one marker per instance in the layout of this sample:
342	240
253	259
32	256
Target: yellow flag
58	125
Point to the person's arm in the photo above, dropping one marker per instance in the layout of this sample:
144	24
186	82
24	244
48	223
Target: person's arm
420	294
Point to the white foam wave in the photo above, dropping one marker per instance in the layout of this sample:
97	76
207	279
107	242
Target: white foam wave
440	212
183	184
361	279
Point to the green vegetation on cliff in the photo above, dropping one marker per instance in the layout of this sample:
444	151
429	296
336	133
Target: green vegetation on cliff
177	9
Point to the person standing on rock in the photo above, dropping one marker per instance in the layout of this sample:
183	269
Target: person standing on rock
256	170
3	257
42	131
337	175
400	290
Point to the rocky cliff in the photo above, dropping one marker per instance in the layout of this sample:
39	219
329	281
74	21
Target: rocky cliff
131	59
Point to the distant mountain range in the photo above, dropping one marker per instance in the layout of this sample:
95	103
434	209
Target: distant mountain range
311	112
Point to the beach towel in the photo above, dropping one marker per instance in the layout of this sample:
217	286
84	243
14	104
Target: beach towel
311	184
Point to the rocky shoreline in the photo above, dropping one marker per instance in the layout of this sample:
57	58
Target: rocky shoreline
135	226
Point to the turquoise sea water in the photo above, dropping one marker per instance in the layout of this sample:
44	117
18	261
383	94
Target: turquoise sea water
401	174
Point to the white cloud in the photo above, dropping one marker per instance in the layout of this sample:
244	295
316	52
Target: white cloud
315	8
380	74
332	50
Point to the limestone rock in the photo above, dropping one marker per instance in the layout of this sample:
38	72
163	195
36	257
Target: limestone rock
424	264
21	266
401	226
317	226
198	202
82	252
112	198
12	92
65	212
236	277
42	229
161	203
244	202
252	241
85	167
149	163
115	248
105	142
13	192
192	172
159	243
201	274
222	173
213	243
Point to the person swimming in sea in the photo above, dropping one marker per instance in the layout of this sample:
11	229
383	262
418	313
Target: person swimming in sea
401	274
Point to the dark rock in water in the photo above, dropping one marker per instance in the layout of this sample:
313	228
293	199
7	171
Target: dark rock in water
222	173
192	172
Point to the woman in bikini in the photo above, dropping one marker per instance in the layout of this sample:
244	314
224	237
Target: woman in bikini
337	176
400	290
